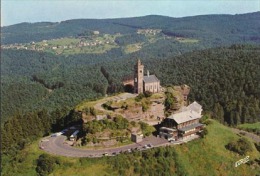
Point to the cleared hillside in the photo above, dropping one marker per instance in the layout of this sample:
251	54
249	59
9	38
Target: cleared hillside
205	156
217	29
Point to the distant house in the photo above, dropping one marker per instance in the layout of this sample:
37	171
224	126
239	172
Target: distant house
183	124
95	32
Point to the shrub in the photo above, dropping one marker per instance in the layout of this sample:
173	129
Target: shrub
147	94
204	119
207	122
147	129
46	164
204	132
242	146
139	97
107	105
257	146
145	107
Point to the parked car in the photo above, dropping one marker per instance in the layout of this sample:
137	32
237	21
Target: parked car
64	131
54	135
150	145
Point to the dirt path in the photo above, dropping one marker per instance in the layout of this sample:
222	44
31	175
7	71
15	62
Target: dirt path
247	134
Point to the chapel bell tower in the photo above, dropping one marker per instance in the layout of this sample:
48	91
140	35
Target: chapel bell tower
138	77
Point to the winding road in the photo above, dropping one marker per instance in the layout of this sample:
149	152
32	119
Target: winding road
57	146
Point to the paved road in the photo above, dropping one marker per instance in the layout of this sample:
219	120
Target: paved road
57	146
255	137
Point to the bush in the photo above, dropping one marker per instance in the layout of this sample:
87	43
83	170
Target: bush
204	119
145	107
147	129
257	146
46	164
147	94
204	132
207	122
107	105
242	146
139	97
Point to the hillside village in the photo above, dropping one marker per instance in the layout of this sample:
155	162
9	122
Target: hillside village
93	42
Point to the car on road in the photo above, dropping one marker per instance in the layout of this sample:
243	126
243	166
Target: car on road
150	145
54	135
73	128
64	131
146	146
105	154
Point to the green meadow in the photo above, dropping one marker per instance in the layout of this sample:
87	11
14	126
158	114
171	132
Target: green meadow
204	156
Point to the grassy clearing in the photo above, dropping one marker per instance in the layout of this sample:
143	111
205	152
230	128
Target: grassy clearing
209	155
88	103
131	48
62	41
157	96
250	126
187	40
206	156
26	164
69	45
85	166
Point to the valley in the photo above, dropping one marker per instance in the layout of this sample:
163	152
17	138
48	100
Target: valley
80	75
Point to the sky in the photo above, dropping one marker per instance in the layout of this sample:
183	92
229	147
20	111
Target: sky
17	11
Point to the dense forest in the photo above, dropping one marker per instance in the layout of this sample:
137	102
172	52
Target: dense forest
224	80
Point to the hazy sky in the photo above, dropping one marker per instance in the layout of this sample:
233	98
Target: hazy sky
17	11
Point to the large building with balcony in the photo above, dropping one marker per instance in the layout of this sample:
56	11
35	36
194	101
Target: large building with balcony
182	124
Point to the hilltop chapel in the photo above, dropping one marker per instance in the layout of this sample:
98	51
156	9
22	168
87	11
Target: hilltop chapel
144	83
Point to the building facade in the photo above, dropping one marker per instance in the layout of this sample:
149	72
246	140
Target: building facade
144	83
182	124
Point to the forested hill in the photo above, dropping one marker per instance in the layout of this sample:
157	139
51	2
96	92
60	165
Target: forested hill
224	80
218	29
